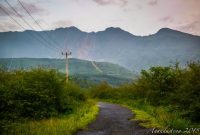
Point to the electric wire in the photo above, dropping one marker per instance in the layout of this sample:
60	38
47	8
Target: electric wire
36	22
28	23
31	34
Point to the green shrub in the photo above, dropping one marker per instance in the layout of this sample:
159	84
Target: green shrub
101	91
63	125
174	88
36	94
68	97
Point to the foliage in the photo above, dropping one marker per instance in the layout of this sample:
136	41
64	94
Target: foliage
62	125
173	86
172	91
36	94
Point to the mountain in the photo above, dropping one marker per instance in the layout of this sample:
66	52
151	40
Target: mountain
112	45
82	69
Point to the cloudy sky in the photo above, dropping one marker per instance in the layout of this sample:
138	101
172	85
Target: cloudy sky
139	17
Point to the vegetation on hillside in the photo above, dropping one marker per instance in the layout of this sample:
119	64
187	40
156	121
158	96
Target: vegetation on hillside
170	95
81	69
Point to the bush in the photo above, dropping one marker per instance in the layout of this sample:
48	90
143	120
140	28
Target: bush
157	84
36	94
173	87
68	97
188	93
101	91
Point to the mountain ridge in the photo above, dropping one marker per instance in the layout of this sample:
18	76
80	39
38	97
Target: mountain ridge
114	45
107	29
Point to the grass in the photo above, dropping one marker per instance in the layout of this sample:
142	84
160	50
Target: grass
154	117
65	125
145	119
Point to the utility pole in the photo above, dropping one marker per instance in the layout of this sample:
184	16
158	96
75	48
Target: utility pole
67	53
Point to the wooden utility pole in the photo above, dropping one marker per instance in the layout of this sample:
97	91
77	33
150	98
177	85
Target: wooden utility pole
67	53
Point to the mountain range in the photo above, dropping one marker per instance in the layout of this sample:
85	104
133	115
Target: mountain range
111	45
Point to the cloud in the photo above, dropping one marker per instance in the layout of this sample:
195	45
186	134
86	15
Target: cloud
31	7
120	3
166	19
152	2
116	20
192	27
62	23
4	9
9	26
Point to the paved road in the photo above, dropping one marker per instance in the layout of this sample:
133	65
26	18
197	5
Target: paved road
114	120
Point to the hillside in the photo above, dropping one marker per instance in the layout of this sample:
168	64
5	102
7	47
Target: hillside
83	69
112	45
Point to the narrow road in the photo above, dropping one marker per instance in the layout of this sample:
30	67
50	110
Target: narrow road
114	120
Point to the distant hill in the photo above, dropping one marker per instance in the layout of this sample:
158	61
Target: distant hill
81	69
113	45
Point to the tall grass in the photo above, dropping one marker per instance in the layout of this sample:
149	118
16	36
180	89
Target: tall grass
154	117
63	125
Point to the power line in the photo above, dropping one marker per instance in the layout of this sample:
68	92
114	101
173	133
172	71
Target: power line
24	20
11	17
14	20
18	14
27	22
27	11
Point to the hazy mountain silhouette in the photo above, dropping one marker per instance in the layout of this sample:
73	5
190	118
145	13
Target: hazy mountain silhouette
112	45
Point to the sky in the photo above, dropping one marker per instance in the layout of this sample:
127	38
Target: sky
139	17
